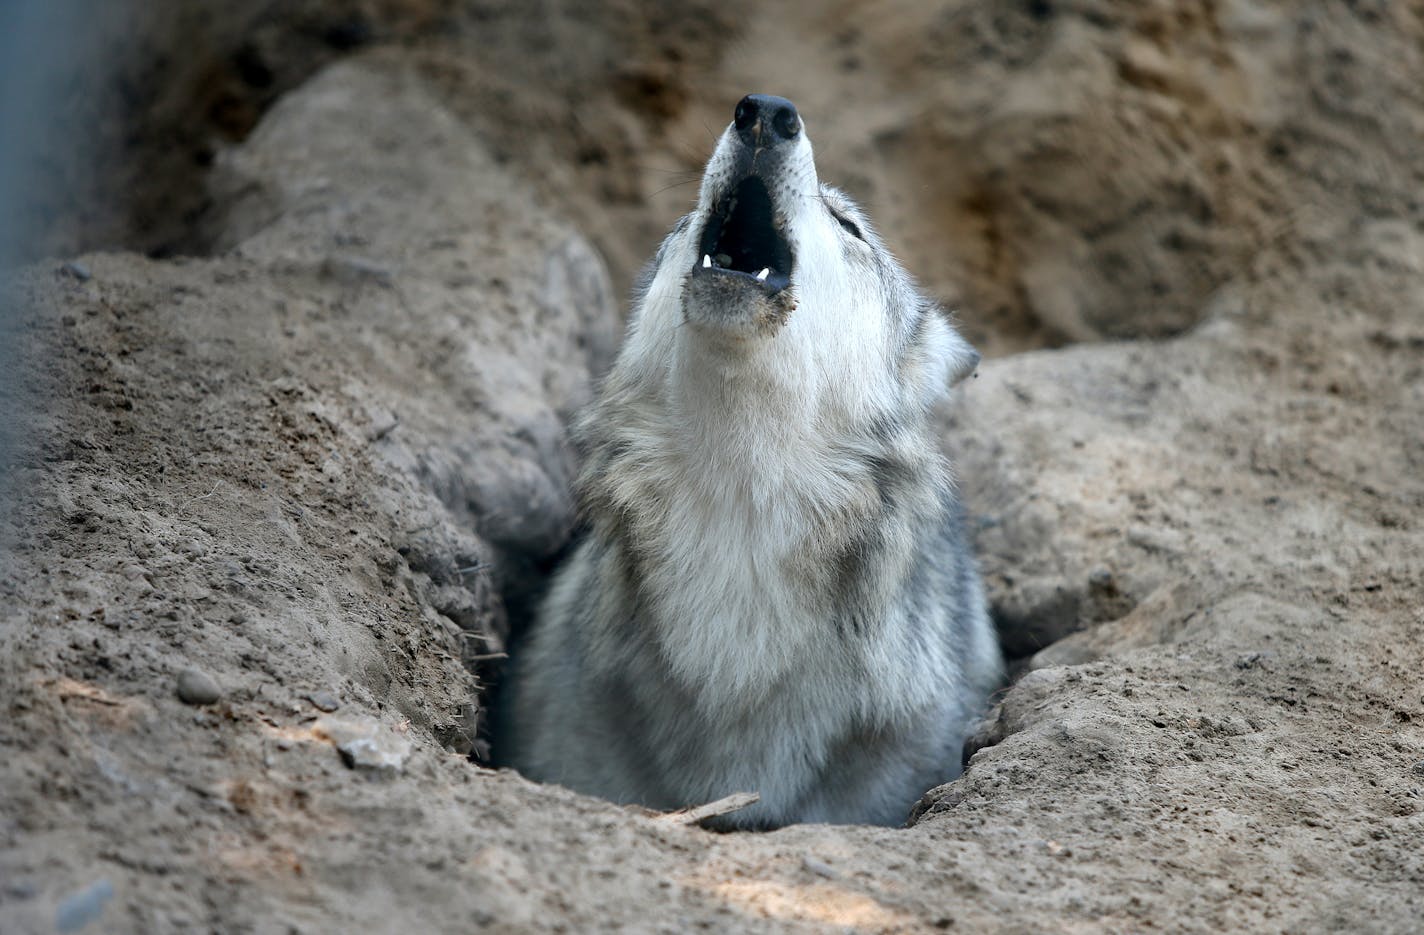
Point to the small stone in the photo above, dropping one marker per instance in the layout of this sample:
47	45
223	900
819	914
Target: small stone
356	270
364	743
819	867
197	687
76	270
383	422
81	908
324	700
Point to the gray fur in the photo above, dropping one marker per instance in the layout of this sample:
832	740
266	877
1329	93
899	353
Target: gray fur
775	593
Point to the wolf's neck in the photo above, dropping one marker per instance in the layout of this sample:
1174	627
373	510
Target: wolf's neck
740	486
752	406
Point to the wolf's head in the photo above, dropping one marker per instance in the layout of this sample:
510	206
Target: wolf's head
773	268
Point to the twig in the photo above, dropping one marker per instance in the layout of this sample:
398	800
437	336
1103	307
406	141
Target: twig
723	806
187	503
485	656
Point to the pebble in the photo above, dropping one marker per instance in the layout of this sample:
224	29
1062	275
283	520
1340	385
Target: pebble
324	700
83	907
197	687
78	270
1249	660
365	744
819	867
355	270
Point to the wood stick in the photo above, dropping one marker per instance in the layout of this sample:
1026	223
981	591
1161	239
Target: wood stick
723	806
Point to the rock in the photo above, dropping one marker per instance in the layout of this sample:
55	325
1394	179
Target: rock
79	909
365	743
324	700
197	687
355	270
76	270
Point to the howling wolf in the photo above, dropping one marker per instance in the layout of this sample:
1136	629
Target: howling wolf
774	593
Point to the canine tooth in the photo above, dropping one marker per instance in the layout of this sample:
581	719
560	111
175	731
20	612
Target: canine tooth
766	270
706	261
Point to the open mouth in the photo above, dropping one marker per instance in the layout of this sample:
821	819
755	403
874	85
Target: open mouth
741	238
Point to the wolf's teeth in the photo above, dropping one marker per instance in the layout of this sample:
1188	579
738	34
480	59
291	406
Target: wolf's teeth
766	270
706	261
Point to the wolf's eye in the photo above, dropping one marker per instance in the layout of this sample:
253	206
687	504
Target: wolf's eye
848	224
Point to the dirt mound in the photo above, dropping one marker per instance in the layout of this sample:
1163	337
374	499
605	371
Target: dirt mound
270	505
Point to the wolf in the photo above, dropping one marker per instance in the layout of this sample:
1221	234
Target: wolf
774	592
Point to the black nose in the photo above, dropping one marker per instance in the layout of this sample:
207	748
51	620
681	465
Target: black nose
765	121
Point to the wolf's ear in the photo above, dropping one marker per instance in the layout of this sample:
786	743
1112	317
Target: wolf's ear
949	358
956	358
964	359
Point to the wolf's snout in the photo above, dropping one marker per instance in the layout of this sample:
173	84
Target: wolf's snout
764	121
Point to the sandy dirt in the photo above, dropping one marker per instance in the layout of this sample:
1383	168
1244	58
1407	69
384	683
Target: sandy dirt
281	488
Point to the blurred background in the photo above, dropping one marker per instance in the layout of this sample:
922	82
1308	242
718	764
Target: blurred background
1060	170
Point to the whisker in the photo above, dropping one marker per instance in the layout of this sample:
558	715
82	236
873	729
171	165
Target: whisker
663	171
689	153
668	188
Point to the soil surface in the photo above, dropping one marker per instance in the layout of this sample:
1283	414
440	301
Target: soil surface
294	356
